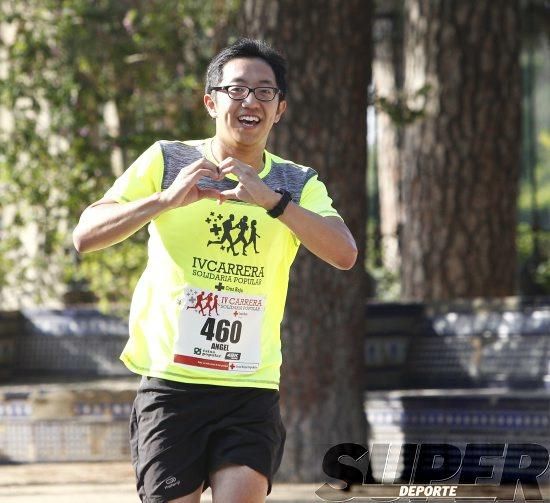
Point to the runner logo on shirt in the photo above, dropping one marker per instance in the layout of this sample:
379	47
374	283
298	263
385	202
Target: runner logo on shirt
203	304
229	233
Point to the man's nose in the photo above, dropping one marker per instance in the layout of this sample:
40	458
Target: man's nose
250	99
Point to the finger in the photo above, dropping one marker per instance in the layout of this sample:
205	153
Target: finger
240	171
215	169
216	173
197	175
228	161
233	170
230	165
204	164
207	162
227	171
191	173
229	194
222	197
208	193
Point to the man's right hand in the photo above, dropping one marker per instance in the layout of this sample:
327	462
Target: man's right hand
107	222
184	190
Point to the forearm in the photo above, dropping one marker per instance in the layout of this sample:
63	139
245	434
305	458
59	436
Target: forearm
326	237
106	223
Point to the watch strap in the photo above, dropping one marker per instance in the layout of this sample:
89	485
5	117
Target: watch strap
280	207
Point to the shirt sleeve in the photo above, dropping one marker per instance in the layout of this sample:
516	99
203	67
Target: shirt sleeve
315	198
141	179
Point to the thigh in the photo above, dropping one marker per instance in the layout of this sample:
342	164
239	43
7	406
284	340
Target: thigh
168	445
238	484
194	497
251	436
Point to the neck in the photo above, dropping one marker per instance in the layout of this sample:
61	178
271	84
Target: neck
253	156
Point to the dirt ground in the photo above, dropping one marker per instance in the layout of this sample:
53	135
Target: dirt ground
113	482
108	482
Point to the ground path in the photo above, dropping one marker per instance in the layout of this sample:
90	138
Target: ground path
108	482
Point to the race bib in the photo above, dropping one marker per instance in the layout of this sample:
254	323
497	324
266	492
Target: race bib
219	330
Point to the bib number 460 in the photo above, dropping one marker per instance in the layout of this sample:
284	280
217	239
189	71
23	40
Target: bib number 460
222	330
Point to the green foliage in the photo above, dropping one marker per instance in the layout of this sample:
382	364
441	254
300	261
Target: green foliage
534	263
534	244
67	61
385	283
398	109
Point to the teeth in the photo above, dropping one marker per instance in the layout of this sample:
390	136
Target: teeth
249	118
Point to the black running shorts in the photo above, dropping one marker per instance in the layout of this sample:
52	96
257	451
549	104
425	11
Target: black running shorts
179	433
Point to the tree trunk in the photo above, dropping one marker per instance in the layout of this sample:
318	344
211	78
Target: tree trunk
461	161
327	43
387	77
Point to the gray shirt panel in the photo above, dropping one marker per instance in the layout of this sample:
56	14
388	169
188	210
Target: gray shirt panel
282	175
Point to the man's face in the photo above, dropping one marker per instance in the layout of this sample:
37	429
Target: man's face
246	122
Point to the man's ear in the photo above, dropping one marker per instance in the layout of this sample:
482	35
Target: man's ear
210	105
281	107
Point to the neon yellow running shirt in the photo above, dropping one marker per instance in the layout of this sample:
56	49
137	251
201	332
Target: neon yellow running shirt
208	307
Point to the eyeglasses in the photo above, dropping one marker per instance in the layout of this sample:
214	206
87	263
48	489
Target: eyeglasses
240	93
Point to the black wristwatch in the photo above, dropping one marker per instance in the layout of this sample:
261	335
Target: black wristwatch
280	207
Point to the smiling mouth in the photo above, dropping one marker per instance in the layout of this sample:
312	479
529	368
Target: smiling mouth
249	120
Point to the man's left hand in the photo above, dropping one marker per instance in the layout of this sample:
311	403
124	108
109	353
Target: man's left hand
251	188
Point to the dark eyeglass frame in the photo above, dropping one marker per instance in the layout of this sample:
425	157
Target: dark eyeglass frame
226	89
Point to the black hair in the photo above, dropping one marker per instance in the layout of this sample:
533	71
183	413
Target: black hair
247	48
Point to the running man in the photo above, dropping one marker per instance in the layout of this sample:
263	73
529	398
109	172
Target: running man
212	305
243	227
207	409
227	226
198	304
